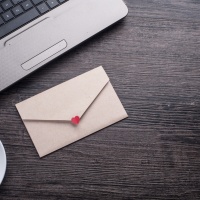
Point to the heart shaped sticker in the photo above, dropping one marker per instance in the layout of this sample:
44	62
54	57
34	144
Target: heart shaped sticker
75	120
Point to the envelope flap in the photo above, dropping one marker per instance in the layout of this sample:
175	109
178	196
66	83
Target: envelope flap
69	99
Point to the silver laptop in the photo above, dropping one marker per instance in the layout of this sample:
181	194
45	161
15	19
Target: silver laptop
34	32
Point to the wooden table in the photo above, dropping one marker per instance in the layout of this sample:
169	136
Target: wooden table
153	60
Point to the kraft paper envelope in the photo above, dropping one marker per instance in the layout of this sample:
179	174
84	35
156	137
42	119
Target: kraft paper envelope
47	116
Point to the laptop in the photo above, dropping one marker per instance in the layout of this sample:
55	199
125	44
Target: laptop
34	32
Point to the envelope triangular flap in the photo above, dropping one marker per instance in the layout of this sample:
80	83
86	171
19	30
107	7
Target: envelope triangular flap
69	99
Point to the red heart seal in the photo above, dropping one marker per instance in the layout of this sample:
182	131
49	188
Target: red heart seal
75	120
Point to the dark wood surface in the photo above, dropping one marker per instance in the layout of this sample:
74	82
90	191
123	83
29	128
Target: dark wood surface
153	60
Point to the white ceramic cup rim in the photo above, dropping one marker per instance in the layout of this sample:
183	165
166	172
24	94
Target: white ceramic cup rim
3	162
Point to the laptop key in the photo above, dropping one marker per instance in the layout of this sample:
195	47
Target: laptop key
1	21
17	10
52	3
18	22
6	5
61	1
42	8
37	1
1	10
27	5
7	16
16	1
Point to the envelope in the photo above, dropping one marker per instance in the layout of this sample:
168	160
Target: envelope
71	111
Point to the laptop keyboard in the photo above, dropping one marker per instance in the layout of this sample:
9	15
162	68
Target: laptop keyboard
16	13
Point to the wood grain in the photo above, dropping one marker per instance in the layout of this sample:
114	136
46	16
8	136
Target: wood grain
153	60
